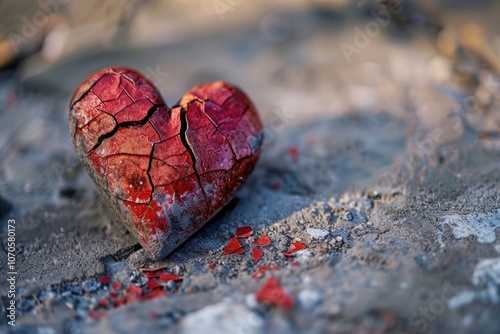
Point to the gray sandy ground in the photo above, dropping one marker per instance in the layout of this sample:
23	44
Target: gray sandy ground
395	190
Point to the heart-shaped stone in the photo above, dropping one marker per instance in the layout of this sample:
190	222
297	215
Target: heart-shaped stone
164	171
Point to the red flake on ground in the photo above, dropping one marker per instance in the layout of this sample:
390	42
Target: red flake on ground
294	153
155	294
135	289
131	298
167	277
244	231
153	284
105	279
212	265
258	274
257	254
118	302
239	251
116	285
263	241
151	274
264	268
275	267
97	314
289	254
113	294
271	292
103	303
295	247
232	246
276	185
295	264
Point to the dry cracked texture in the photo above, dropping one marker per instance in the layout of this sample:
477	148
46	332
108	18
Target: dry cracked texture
165	171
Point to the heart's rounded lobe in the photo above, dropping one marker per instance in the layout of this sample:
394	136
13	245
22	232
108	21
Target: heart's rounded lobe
165	172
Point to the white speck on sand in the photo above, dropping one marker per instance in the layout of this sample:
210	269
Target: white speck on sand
480	225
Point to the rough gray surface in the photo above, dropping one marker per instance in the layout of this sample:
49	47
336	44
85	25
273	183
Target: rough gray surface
394	188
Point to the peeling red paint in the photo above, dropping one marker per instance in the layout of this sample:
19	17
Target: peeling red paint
239	251
272	293
295	264
263	241
116	286
167	277
244	232
163	171
105	279
103	303
296	246
257	254
153	284
118	302
232	246
152	274
135	289
212	265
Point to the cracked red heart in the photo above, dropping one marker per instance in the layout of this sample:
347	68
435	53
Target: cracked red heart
164	171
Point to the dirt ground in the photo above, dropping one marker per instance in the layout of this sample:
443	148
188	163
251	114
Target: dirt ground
382	156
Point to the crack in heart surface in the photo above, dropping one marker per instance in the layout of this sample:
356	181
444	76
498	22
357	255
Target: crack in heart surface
164	171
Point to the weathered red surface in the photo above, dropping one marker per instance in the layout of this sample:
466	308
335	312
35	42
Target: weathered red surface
272	293
164	171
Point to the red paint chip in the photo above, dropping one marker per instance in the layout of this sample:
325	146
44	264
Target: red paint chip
155	294
212	265
272	293
295	264
161	160
153	284
257	275
295	247
232	246
113	294
135	289
257	254
244	231
105	279
103	303
263	241
118	302
131	298
167	277
151	274
239	251
275	267
116	285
